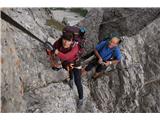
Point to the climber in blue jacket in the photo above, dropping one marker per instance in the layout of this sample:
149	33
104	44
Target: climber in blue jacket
107	52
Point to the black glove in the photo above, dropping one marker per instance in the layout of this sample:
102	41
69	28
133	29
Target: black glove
49	46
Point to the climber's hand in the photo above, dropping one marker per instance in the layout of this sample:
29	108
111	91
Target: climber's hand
107	63
100	60
71	65
49	52
56	52
49	46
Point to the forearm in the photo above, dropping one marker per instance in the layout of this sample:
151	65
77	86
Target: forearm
113	61
97	54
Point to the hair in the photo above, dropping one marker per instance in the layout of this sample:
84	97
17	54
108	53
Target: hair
67	35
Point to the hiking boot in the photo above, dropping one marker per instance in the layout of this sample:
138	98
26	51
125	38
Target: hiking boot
70	82
56	69
79	103
96	75
108	69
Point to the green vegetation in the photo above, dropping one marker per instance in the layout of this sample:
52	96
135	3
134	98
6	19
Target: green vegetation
58	25
54	23
26	88
81	11
58	8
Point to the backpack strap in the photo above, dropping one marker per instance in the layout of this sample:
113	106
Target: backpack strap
104	45
112	57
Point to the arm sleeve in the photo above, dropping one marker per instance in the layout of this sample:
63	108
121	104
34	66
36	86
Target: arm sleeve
57	44
100	45
117	54
71	55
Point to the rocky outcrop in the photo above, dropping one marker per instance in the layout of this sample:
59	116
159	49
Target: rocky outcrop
126	21
24	61
28	84
66	17
132	87
92	23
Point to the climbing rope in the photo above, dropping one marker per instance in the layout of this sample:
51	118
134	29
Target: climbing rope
151	81
8	19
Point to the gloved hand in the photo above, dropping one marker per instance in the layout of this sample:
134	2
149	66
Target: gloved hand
49	46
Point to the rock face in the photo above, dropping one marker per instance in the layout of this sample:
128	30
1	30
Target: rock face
66	17
132	87
92	25
28	84
24	61
126	21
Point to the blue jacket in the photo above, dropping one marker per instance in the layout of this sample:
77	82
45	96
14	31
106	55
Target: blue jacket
107	53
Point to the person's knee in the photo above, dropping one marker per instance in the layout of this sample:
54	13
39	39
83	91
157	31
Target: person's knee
99	68
89	67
